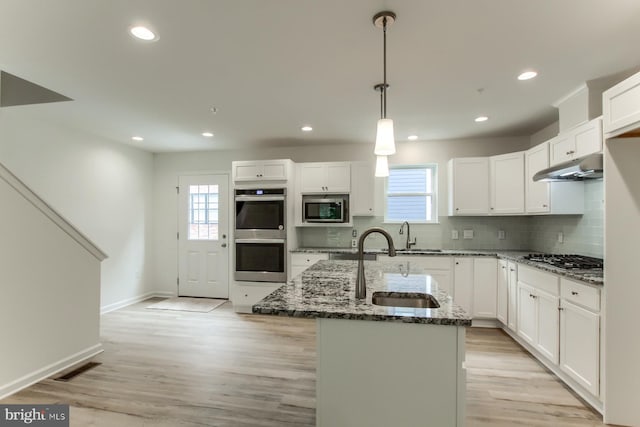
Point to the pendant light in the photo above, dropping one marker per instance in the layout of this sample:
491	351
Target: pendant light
385	142
382	166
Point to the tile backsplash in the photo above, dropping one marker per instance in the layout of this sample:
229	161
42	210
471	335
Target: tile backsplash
582	234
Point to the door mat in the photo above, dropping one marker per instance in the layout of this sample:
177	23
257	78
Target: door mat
201	305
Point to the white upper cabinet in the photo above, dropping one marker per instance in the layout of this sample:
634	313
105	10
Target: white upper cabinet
578	142
262	170
362	199
469	186
549	197
621	108
507	183
537	193
334	177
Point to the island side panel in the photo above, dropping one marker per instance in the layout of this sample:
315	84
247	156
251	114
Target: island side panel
380	373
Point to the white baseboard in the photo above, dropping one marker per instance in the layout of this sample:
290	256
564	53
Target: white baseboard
485	323
52	369
134	300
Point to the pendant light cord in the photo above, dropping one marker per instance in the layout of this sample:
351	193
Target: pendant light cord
384	67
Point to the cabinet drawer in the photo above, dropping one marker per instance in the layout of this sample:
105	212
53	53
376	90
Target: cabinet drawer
547	282
307	260
580	294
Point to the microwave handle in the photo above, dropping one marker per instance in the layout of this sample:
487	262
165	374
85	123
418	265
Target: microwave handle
260	240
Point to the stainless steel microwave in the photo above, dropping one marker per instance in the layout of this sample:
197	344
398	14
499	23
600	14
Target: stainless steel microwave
325	209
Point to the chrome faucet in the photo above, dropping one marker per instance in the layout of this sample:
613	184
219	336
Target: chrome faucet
409	242
361	285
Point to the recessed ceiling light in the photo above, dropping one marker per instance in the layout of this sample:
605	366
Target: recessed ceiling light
412	137
143	33
137	138
482	119
306	128
207	134
527	75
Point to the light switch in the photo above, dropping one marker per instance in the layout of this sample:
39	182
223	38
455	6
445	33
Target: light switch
354	233
467	234
454	235
501	235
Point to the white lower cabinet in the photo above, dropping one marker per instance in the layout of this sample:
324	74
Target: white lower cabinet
439	267
248	293
502	301
485	287
580	334
538	315
301	261
463	283
512	295
506	302
475	285
548	330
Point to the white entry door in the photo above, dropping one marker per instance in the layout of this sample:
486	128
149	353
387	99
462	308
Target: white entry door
203	250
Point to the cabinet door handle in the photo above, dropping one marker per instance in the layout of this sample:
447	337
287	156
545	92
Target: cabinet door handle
457	209
492	208
574	293
560	308
503	267
512	269
544	206
224	245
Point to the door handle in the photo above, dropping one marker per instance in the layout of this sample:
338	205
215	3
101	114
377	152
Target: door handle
224	245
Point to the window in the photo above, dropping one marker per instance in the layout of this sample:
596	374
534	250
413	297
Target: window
411	194
203	212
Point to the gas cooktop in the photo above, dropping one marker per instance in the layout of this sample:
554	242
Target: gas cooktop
569	261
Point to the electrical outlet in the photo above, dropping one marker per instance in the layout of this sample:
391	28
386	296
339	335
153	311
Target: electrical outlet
467	234
354	233
454	235
354	243
501	235
561	237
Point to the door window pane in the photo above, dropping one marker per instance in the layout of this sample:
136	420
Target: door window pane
203	212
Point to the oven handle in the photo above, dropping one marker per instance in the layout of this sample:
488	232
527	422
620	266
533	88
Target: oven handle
259	198
260	241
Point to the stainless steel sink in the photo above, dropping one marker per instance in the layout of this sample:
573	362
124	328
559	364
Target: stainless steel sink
404	299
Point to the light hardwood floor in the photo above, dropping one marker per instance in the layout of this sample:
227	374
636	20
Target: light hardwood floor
163	368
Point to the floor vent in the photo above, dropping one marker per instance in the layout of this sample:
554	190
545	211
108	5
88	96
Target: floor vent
71	375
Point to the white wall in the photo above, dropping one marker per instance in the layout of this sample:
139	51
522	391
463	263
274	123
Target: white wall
622	281
49	310
103	188
168	166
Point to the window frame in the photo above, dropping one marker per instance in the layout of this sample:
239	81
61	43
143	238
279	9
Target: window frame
433	194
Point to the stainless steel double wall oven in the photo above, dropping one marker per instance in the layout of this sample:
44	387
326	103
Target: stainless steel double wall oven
261	235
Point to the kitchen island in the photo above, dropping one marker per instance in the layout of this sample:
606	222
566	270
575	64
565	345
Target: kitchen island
378	365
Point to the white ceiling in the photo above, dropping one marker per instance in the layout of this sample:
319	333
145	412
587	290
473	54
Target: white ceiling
271	66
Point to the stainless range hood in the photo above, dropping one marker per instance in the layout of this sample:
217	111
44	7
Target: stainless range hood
587	167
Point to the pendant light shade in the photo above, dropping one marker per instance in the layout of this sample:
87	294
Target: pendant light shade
385	142
382	166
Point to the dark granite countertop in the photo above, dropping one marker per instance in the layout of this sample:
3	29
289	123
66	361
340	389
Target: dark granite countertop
327	290
590	277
